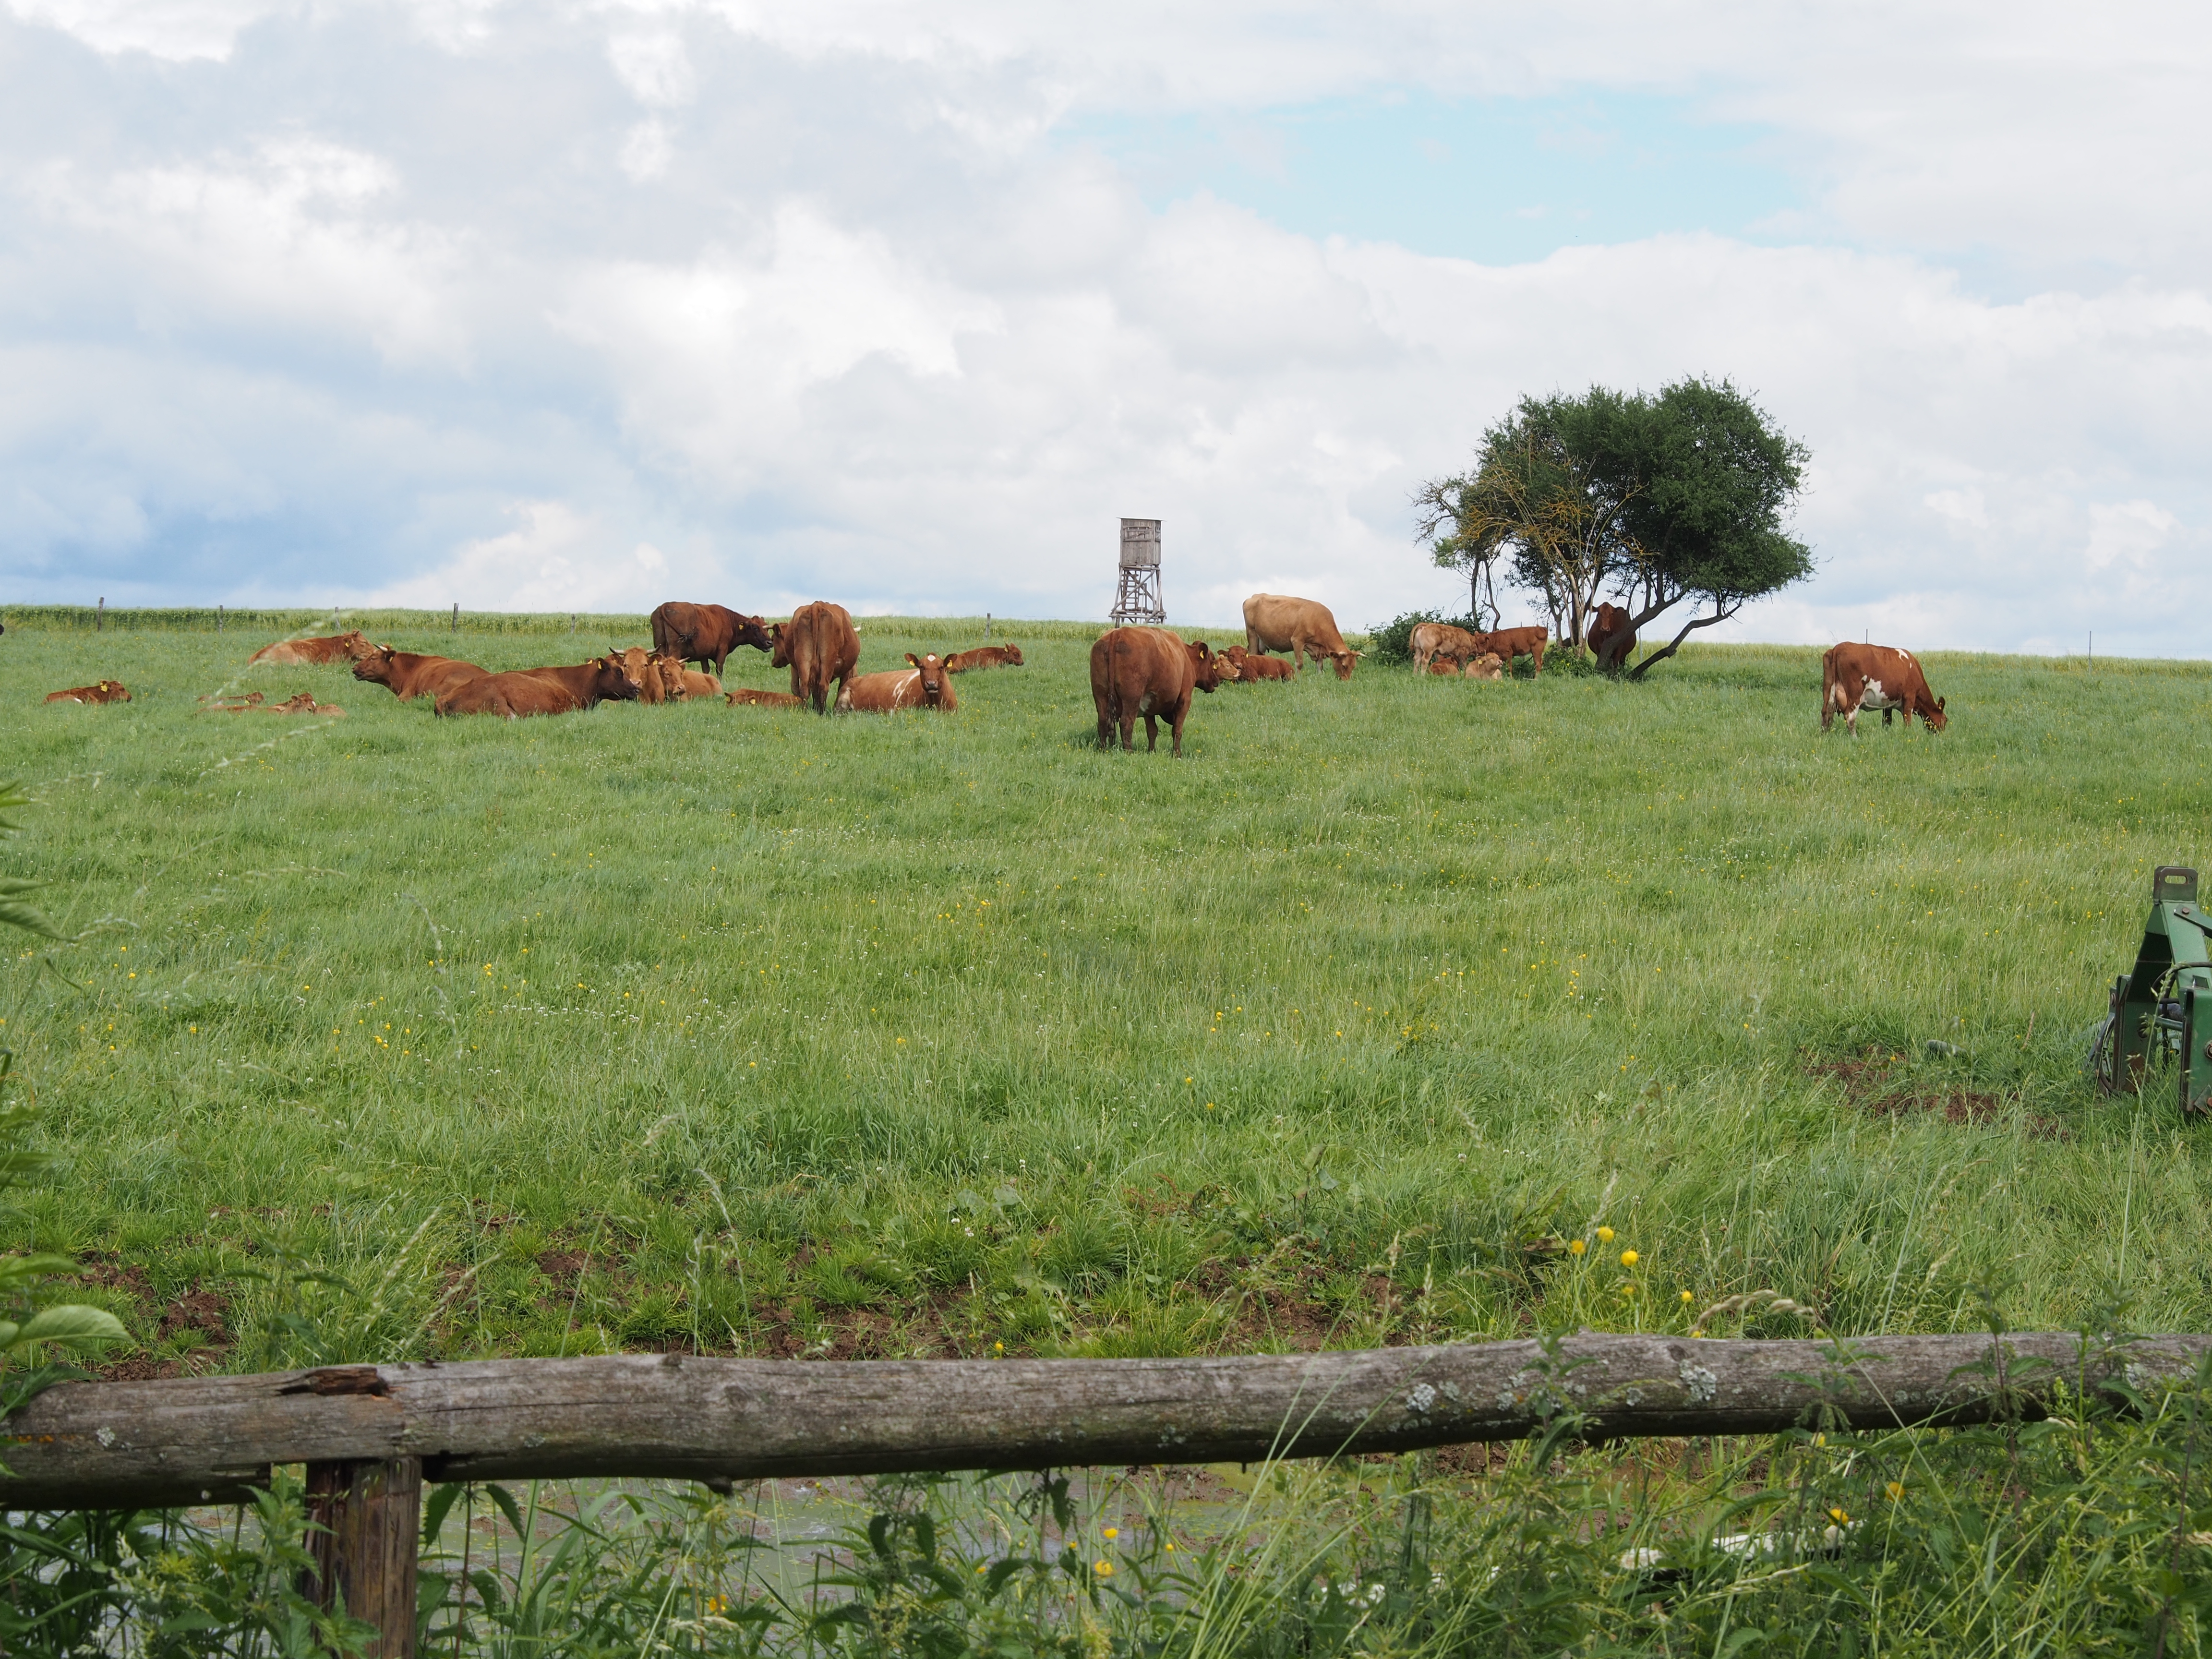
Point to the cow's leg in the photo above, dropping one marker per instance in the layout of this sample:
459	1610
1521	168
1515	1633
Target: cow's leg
1105	728
1888	713
1182	712
1538	655
1128	730
1152	732
1828	708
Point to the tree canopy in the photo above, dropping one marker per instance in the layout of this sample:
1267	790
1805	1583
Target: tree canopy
1654	499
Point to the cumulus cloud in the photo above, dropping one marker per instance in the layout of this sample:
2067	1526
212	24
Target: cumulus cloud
765	304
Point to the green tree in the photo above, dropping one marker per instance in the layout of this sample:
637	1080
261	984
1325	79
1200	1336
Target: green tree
1655	499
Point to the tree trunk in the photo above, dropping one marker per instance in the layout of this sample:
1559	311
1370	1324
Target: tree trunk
1675	644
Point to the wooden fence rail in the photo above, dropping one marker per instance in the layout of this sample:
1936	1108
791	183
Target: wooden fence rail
371	1434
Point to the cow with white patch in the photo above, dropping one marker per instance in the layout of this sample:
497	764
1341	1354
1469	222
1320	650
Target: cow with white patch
1857	678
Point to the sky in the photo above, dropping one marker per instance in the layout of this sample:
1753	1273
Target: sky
590	306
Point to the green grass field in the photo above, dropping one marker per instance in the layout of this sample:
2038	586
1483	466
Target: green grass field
768	1034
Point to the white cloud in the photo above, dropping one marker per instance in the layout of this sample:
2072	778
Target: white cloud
655	68
556	558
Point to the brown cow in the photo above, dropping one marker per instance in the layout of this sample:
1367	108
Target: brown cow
349	646
705	633
1444	665
925	685
1275	621
408	675
1489	665
818	645
1611	638
1432	640
745	696
1511	642
105	692
541	691
1251	669
984	656
1859	677
1148	671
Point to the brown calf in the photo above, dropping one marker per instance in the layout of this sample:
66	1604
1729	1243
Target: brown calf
1430	640
745	697
105	692
348	647
984	656
1511	642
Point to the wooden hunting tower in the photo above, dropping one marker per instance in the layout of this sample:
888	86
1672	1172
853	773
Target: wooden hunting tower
1138	598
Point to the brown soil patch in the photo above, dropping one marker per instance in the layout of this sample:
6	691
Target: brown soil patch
1884	1083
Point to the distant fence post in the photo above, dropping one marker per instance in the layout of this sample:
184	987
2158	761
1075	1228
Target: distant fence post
99	616
457	617
371	1514
218	619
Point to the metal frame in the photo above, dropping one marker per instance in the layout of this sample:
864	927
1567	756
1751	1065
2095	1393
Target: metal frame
2162	1008
1137	599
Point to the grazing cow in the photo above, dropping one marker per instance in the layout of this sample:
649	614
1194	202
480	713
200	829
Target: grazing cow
541	691
105	692
1275	621
1860	677
818	645
746	697
1148	671
408	675
925	685
1511	642
705	633
1611	637
984	656
1433	640
349	646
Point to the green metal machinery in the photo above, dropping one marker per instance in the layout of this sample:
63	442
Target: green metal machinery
2163	1010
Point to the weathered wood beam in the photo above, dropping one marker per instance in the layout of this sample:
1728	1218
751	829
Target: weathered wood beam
366	1549
206	1439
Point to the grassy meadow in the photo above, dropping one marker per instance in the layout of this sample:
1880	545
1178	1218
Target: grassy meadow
691	1026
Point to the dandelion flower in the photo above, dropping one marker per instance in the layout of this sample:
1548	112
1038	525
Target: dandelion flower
1604	1235
1576	1247
1103	1568
1895	1489
1836	1513
998	1347
1629	1258
982	1567
1628	1289
1113	1532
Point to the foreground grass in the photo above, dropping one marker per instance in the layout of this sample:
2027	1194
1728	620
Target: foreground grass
691	1026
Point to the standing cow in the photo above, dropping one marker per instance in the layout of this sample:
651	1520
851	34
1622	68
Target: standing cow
1276	622
1860	677
1611	638
1147	671
1511	642
1433	640
704	634
818	645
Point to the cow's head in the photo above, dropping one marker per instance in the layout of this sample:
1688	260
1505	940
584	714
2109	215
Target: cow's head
354	646
1344	659
641	669
669	671
1935	717
1014	655
778	645
375	666
611	681
1209	666
933	682
753	632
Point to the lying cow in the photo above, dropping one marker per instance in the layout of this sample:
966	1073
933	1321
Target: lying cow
1853	678
661	678
1611	638
541	691
1511	642
105	692
1276	622
408	675
1432	640
1238	664
745	697
705	633
818	645
349	646
1489	665
301	703
1148	671
984	656
927	684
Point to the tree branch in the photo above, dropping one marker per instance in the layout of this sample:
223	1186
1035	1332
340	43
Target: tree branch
1721	613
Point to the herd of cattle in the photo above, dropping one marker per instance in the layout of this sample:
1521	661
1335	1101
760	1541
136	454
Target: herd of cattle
1147	673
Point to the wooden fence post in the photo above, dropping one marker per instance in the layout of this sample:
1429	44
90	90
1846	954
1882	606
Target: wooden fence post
371	1514
99	614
